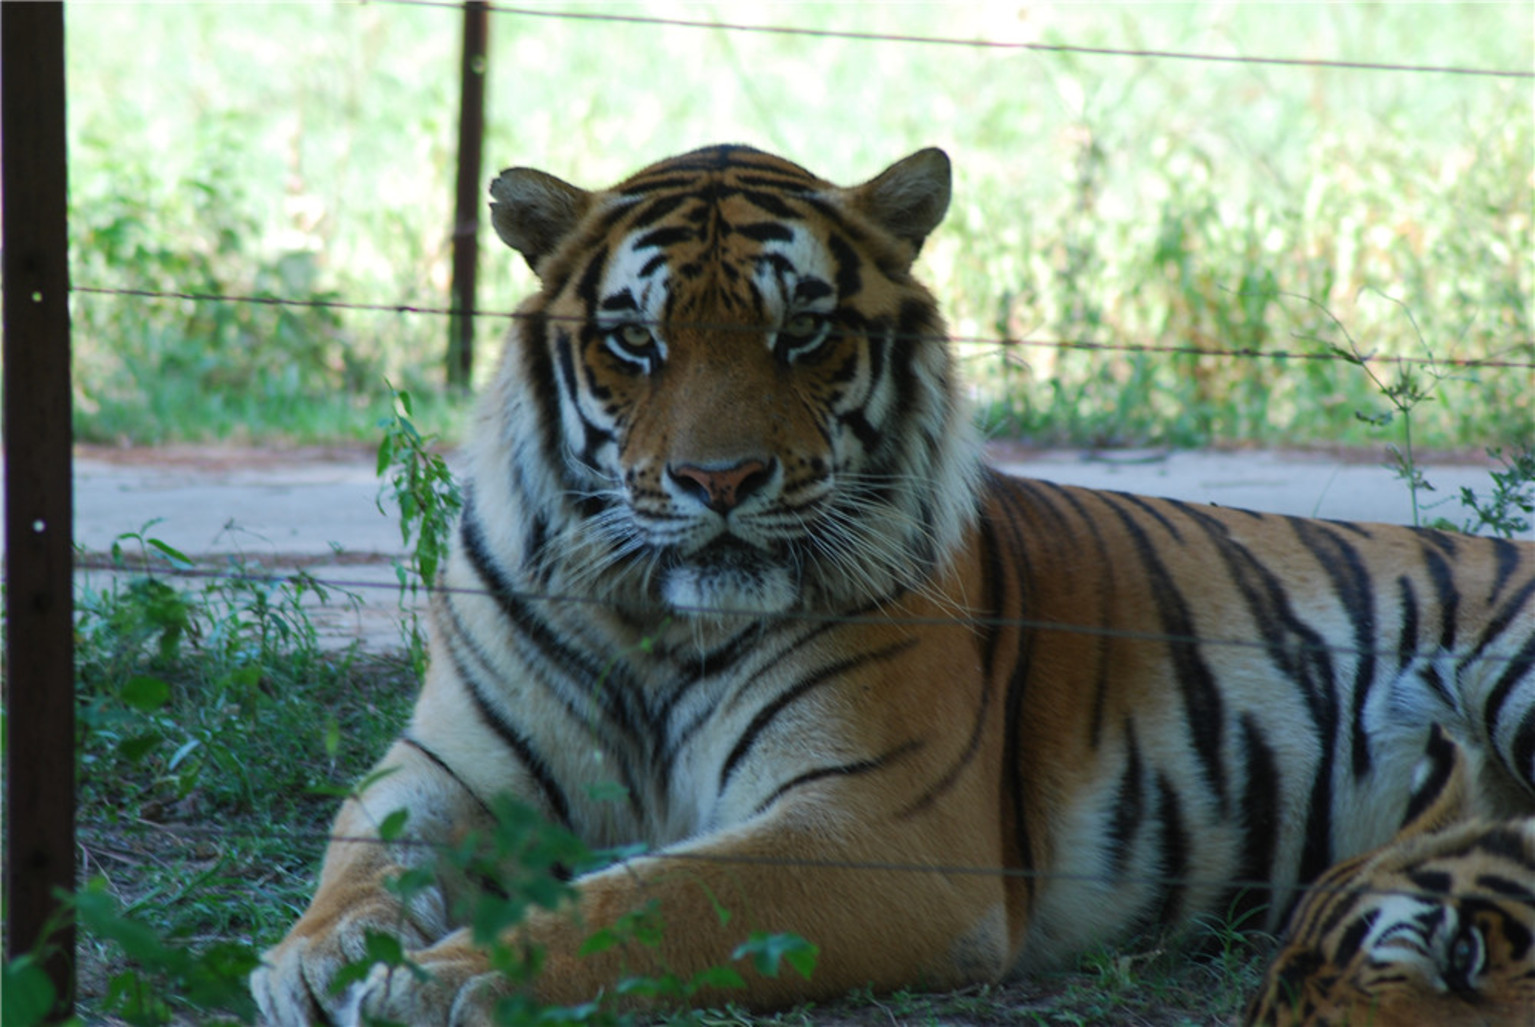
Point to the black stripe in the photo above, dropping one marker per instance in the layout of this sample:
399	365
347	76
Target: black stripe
1518	890
1519	667
1348	945
1101	559
618	692
1407	639
1175	850
661	238
1147	506
767	231
1444	591
1441	754
770	203
459	643
842	770
521	746
1522	751
1129	805
443	766
1006	492
1299	652
1203	703
1515	611
591	278
1507	557
797	691
946	780
648	213
1441	540
1434	882
594	437
1354	586
1261	816
542	389
849	265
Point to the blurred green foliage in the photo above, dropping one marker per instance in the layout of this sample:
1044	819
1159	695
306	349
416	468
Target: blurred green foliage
1099	199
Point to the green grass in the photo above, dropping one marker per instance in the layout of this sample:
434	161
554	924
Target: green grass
215	734
1098	199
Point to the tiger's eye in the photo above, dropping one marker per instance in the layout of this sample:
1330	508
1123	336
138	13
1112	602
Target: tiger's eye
1466	956
635	336
803	326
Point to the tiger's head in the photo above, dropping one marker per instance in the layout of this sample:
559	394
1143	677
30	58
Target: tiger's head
1437	927
729	391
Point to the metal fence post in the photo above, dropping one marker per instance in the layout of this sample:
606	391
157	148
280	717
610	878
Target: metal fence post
469	192
39	661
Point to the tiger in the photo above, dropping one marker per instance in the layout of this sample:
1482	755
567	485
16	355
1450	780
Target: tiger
730	552
1436	927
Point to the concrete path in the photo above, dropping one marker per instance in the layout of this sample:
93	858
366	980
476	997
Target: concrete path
318	509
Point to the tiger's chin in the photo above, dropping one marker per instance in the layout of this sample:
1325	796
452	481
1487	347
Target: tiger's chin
727	589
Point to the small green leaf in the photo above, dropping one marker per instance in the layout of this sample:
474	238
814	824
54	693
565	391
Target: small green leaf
769	950
186	749
607	791
716	977
144	693
393	824
136	747
383	948
372	779
332	737
175	556
598	941
28	995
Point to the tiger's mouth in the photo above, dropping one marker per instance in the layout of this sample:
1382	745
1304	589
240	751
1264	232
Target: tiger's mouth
729	552
730	575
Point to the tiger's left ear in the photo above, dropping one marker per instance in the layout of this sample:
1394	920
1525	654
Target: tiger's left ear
908	198
533	211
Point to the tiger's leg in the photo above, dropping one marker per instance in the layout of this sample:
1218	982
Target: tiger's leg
293	985
948	929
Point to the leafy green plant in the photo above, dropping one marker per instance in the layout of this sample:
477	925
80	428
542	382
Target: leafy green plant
1505	512
429	501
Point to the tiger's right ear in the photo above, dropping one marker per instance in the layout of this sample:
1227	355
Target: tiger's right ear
533	211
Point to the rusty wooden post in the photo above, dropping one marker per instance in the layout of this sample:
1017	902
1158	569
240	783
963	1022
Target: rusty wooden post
469	192
39	662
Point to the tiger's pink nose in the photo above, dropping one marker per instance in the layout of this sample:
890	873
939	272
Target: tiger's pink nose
721	489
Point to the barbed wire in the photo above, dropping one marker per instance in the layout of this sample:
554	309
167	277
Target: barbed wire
326	837
975	44
1292	646
999	342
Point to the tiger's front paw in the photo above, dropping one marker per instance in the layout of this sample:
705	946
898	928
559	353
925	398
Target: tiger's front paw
295	985
448	985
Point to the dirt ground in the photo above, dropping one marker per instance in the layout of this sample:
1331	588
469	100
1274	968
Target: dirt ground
319	508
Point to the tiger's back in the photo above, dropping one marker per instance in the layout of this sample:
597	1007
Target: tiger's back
1233	696
729	546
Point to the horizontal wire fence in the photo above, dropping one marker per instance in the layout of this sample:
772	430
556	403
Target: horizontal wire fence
1330	355
810	863
1034	624
975	44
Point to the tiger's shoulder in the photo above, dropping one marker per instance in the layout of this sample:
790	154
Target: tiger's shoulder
1436	927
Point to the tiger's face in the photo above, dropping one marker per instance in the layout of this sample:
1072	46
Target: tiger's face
1440	931
1435	927
753	399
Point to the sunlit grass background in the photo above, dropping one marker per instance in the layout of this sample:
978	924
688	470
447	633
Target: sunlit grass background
308	151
